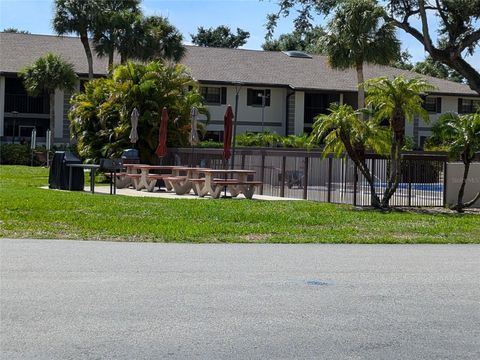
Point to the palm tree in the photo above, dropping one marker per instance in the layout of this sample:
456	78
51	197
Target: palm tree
397	100
460	134
48	74
343	132
79	17
356	34
114	20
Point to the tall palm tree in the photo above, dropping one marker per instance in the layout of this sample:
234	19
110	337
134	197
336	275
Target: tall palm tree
460	134
397	100
343	132
48	74
116	17
79	17
356	34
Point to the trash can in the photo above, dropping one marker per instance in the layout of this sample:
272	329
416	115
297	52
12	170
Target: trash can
130	156
59	172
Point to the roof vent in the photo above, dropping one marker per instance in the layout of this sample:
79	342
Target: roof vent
297	54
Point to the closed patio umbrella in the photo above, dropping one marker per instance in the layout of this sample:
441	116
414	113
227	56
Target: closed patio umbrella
227	133
134	122
162	134
193	139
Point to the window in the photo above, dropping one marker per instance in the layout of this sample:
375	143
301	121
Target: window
433	104
468	106
214	95
258	97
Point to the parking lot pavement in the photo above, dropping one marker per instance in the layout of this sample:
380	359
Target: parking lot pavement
106	300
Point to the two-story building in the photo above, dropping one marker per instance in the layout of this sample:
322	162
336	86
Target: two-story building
277	91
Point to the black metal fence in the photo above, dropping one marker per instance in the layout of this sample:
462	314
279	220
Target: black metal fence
302	174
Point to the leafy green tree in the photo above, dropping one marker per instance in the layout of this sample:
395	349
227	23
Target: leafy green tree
46	75
343	132
437	69
112	23
15	30
309	41
397	100
357	34
78	17
459	28
460	135
220	36
100	116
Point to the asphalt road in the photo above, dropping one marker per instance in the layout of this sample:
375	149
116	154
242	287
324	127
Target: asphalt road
101	300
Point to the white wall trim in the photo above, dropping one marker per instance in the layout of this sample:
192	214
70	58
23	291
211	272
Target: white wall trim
299	112
59	110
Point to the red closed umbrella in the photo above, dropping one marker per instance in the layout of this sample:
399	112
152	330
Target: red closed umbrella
227	133
162	134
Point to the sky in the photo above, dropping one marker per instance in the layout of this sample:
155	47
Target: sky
35	16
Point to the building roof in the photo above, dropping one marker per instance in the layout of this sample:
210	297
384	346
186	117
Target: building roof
20	50
219	65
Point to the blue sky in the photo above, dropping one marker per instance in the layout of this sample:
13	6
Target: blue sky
187	15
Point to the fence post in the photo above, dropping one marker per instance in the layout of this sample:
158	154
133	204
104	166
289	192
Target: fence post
284	165
355	181
445	167
262	173
329	197
409	172
305	178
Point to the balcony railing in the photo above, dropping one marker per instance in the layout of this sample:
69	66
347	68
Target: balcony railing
26	104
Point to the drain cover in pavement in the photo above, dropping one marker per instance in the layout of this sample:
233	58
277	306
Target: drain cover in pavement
319	282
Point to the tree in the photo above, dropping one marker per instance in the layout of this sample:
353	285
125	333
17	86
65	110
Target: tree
460	134
459	29
78	17
100	116
111	24
15	30
397	100
343	132
220	36
48	74
437	69
309	41
357	34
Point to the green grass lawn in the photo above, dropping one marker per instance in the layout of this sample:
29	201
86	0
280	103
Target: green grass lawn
31	212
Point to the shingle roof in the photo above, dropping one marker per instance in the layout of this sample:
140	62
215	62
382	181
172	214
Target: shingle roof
276	68
20	50
218	65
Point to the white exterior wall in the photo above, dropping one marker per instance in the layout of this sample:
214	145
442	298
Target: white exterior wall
250	117
2	104
59	111
299	112
454	180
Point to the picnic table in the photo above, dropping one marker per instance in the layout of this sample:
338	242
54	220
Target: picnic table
237	184
181	178
145	179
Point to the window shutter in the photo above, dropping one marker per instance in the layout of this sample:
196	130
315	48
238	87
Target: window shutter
249	97
224	96
439	105
267	97
460	105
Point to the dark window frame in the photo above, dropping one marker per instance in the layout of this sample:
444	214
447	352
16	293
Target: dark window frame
434	107
467	106
214	98
255	100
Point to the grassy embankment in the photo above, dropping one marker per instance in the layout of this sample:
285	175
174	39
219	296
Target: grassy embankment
31	212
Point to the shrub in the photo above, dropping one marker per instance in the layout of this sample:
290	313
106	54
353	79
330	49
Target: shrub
15	154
